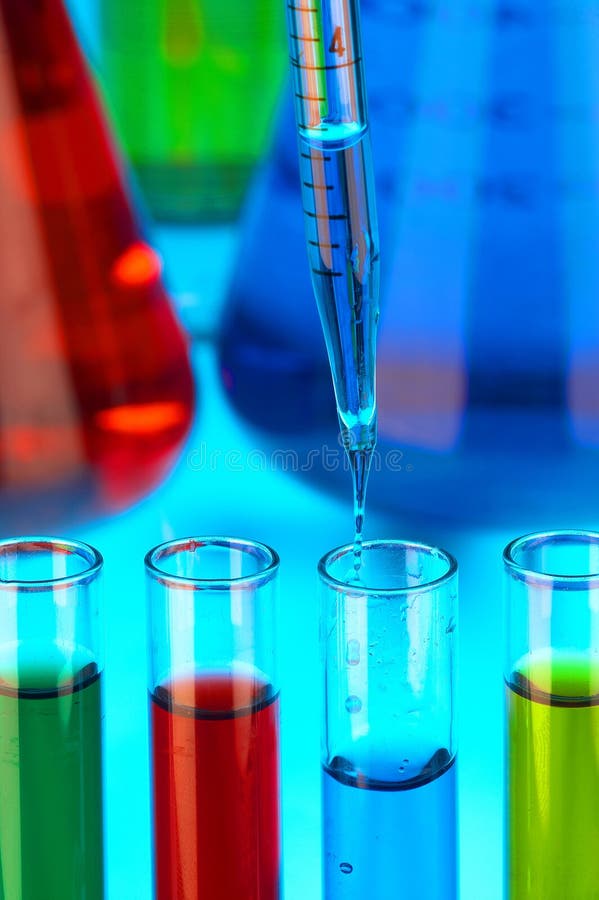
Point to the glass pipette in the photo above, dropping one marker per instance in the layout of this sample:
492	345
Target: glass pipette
340	214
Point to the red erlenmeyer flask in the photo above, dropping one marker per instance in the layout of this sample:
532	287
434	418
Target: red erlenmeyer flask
96	392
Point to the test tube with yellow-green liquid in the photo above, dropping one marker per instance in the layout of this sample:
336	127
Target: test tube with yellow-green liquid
193	86
552	691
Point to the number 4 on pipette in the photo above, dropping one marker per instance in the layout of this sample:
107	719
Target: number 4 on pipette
337	42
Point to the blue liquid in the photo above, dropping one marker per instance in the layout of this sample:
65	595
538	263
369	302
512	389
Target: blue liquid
390	840
342	239
337	179
360	467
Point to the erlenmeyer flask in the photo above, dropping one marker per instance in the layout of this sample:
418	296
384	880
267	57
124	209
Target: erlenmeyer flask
193	85
96	391
483	120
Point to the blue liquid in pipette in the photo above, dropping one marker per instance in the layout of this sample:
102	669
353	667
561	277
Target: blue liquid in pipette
360	460
343	253
337	179
391	840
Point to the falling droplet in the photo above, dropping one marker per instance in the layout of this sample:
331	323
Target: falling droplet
353	653
353	704
346	868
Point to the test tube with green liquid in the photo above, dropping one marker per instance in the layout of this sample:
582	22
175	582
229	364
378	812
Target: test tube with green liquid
193	86
552	691
51	827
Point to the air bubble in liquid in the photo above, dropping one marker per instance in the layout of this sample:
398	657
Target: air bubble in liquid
346	868
353	704
353	653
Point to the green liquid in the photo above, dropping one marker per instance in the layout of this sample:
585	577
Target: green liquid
553	779
51	844
193	85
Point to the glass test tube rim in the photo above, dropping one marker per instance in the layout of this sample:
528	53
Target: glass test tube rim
557	580
88	554
247	546
424	587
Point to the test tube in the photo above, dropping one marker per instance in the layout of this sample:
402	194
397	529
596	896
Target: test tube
552	735
388	751
214	702
51	828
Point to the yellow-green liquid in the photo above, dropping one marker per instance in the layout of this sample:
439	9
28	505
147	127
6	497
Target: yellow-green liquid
553	778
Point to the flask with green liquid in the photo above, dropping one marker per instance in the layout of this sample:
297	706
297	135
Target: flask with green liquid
192	85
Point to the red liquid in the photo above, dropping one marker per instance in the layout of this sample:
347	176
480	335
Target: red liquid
96	391
216	789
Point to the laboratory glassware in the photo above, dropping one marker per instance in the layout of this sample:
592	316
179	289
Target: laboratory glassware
552	692
214	700
389	733
483	131
337	184
51	838
193	86
96	389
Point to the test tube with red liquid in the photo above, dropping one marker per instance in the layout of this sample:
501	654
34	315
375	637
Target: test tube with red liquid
214	710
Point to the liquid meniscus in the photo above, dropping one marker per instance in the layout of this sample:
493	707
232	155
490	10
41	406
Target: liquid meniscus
388	838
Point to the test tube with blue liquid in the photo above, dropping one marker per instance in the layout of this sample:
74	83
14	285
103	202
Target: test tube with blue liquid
389	741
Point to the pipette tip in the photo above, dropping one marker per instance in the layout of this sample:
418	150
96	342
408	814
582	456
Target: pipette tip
361	459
